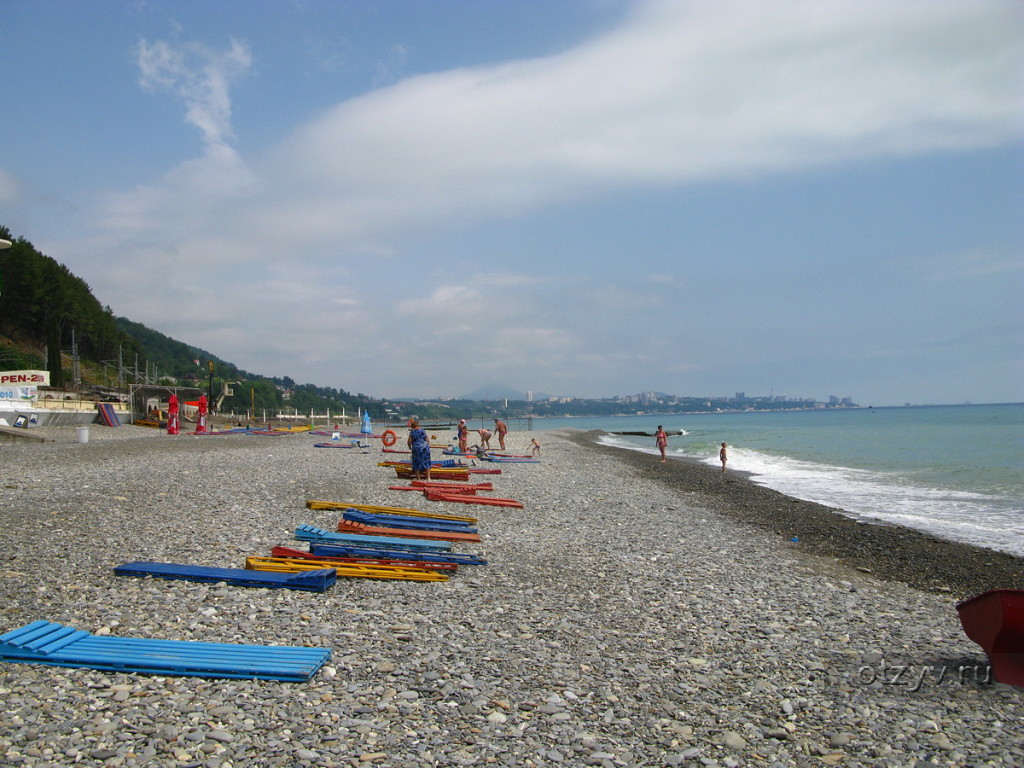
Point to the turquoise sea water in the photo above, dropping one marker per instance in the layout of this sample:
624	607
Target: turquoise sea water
954	471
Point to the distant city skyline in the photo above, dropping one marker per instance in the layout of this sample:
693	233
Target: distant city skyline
575	197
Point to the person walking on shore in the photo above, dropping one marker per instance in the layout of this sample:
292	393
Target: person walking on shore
534	447
661	440
500	429
723	455
419	444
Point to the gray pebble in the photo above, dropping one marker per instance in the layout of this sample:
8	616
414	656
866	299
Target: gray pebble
623	620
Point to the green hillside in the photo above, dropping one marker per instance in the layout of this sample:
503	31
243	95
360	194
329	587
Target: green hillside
49	319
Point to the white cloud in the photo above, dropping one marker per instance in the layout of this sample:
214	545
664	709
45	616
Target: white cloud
681	93
201	77
973	264
392	66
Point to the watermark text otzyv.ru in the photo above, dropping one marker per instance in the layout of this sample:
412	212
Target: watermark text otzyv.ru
914	677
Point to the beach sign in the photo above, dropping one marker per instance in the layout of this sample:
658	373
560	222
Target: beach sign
24	378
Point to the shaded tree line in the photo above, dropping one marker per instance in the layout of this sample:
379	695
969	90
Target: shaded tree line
42	304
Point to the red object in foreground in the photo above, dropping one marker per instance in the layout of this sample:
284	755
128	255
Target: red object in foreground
452	486
995	621
435	494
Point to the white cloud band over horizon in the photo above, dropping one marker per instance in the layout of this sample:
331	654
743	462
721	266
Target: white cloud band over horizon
332	229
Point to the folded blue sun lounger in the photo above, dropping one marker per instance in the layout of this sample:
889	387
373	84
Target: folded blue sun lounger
43	642
407	522
312	533
309	581
337	550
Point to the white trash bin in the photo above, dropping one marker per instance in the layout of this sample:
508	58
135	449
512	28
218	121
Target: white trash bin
83	434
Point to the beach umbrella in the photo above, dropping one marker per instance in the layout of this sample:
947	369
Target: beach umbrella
172	415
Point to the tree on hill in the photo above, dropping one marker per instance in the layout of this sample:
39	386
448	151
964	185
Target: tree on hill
43	305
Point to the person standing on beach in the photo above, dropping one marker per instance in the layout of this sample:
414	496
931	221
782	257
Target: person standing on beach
500	430
463	436
419	444
534	447
723	455
661	440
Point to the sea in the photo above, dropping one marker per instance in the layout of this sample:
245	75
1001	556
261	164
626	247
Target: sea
954	471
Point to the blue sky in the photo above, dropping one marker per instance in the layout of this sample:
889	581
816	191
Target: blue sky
583	198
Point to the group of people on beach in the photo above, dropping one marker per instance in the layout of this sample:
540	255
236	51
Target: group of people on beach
419	444
500	430
661	441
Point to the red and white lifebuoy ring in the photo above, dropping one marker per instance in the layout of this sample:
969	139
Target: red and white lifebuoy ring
388	437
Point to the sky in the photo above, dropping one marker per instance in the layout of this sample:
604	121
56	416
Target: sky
584	198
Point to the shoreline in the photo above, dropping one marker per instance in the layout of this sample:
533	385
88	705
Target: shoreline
885	550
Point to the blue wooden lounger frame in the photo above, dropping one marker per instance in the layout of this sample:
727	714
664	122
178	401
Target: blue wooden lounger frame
407	522
339	550
312	533
309	581
43	642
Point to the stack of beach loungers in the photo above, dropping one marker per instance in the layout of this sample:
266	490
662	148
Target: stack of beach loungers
372	542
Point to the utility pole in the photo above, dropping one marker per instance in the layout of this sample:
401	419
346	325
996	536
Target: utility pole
76	373
210	398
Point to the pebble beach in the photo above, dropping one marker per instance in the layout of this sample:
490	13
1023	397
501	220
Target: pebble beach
632	613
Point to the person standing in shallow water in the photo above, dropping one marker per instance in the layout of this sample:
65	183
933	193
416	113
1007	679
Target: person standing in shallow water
723	455
661	440
419	444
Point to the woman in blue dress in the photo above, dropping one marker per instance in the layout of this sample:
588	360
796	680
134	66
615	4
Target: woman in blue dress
419	444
